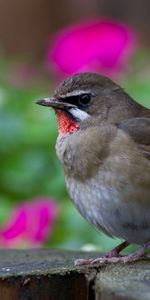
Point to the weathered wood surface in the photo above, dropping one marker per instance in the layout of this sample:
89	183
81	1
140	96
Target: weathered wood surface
50	275
128	282
41	275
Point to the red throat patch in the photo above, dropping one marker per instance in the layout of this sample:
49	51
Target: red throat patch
65	123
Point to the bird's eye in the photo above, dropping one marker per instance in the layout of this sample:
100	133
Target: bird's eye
84	99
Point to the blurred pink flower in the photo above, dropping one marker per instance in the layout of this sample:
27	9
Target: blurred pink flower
30	224
99	45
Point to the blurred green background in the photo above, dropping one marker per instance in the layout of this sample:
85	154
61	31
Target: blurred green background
28	164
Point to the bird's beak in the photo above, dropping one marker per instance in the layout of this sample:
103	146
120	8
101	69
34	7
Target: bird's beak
54	103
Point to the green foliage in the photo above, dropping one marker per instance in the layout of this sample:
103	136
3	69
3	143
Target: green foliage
28	163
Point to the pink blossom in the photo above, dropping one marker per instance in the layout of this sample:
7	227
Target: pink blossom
99	45
30	224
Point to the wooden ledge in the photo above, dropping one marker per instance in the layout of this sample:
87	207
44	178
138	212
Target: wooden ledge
42	274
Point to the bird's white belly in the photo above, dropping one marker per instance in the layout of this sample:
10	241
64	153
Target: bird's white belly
102	207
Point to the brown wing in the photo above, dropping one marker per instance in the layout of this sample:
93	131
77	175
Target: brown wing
139	130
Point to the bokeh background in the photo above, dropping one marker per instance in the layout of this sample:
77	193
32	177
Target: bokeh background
42	42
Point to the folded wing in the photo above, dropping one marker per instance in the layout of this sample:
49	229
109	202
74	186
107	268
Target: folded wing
139	130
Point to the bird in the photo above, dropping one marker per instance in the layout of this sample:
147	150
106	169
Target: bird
103	144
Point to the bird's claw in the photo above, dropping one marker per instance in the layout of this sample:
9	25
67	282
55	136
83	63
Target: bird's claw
82	262
105	259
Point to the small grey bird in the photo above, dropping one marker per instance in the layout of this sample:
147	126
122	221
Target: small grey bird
104	147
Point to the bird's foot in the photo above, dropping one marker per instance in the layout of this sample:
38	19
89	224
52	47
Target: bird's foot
109	259
114	257
117	259
113	254
108	255
82	262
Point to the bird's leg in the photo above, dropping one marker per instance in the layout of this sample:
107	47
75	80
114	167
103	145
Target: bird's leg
114	253
124	259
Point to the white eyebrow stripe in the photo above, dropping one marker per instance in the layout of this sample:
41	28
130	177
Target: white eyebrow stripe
79	114
76	93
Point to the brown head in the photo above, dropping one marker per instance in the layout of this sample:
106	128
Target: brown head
85	97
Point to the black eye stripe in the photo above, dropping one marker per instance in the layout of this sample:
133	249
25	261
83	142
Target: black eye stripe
79	100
